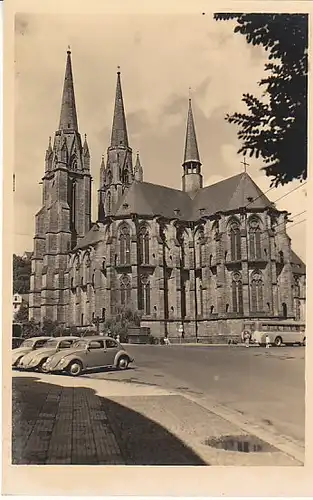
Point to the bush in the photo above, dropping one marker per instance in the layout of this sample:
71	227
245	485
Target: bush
119	324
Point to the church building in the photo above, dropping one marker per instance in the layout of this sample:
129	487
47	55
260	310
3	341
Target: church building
198	259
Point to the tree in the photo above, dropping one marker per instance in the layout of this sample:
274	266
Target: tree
50	327
22	314
21	274
31	329
123	319
275	128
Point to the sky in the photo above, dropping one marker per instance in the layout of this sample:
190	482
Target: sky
161	57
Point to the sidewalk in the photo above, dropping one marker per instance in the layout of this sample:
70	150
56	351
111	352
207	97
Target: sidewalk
61	420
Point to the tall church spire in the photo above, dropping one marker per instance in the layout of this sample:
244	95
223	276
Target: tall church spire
68	117
119	130
191	147
192	179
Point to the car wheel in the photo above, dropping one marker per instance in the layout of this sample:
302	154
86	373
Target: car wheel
278	341
42	362
75	368
123	363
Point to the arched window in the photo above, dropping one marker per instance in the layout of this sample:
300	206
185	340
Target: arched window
235	240
296	287
124	241
125	288
257	293
143	245
237	299
144	295
255	239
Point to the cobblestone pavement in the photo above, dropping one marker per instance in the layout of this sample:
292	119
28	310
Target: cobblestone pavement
61	420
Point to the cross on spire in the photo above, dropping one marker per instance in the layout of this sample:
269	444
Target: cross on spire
245	164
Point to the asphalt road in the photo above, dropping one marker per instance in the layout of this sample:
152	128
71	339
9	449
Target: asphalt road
266	386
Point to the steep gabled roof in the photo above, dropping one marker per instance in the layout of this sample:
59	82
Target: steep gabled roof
93	236
152	199
229	194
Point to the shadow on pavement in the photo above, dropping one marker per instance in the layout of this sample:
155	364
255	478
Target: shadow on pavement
72	425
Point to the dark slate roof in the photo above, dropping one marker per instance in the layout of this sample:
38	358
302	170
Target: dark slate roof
145	198
298	266
93	236
229	194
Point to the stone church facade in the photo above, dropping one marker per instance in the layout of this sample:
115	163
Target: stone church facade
204	258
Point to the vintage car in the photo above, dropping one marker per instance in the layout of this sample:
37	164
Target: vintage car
35	360
89	353
29	345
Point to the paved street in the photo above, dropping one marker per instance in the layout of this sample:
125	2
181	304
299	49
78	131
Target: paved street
266	385
163	411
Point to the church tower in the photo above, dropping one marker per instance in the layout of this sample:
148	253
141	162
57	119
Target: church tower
65	216
192	179
117	175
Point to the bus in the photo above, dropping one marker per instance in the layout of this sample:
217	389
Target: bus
279	332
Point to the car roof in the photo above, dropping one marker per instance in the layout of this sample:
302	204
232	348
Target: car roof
67	337
98	337
41	337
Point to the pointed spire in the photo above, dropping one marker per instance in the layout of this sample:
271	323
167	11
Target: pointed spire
119	129
191	147
85	146
68	117
138	171
49	149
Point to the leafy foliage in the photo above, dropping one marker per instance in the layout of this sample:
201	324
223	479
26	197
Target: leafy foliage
276	129
122	320
50	327
31	329
21	316
21	274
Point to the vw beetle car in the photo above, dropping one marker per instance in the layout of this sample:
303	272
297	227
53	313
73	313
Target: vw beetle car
36	359
89	353
29	345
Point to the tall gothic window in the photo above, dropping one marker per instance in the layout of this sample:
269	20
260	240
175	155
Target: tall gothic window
257	304
237	299
124	242
201	246
255	239
144	295
144	245
201	299
235	240
125	289
108	204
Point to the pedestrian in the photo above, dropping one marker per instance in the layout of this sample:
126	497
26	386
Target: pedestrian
167	341
118	338
267	342
246	337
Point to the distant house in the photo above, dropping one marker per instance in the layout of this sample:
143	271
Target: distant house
19	299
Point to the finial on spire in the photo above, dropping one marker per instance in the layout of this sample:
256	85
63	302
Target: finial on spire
245	164
189	93
68	49
118	70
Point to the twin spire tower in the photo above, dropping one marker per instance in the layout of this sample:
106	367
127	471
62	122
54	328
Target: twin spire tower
65	216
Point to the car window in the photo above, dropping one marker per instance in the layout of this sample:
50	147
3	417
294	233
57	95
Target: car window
65	344
40	343
111	344
96	344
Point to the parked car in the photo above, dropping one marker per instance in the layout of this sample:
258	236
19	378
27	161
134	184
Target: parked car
36	359
28	345
89	353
